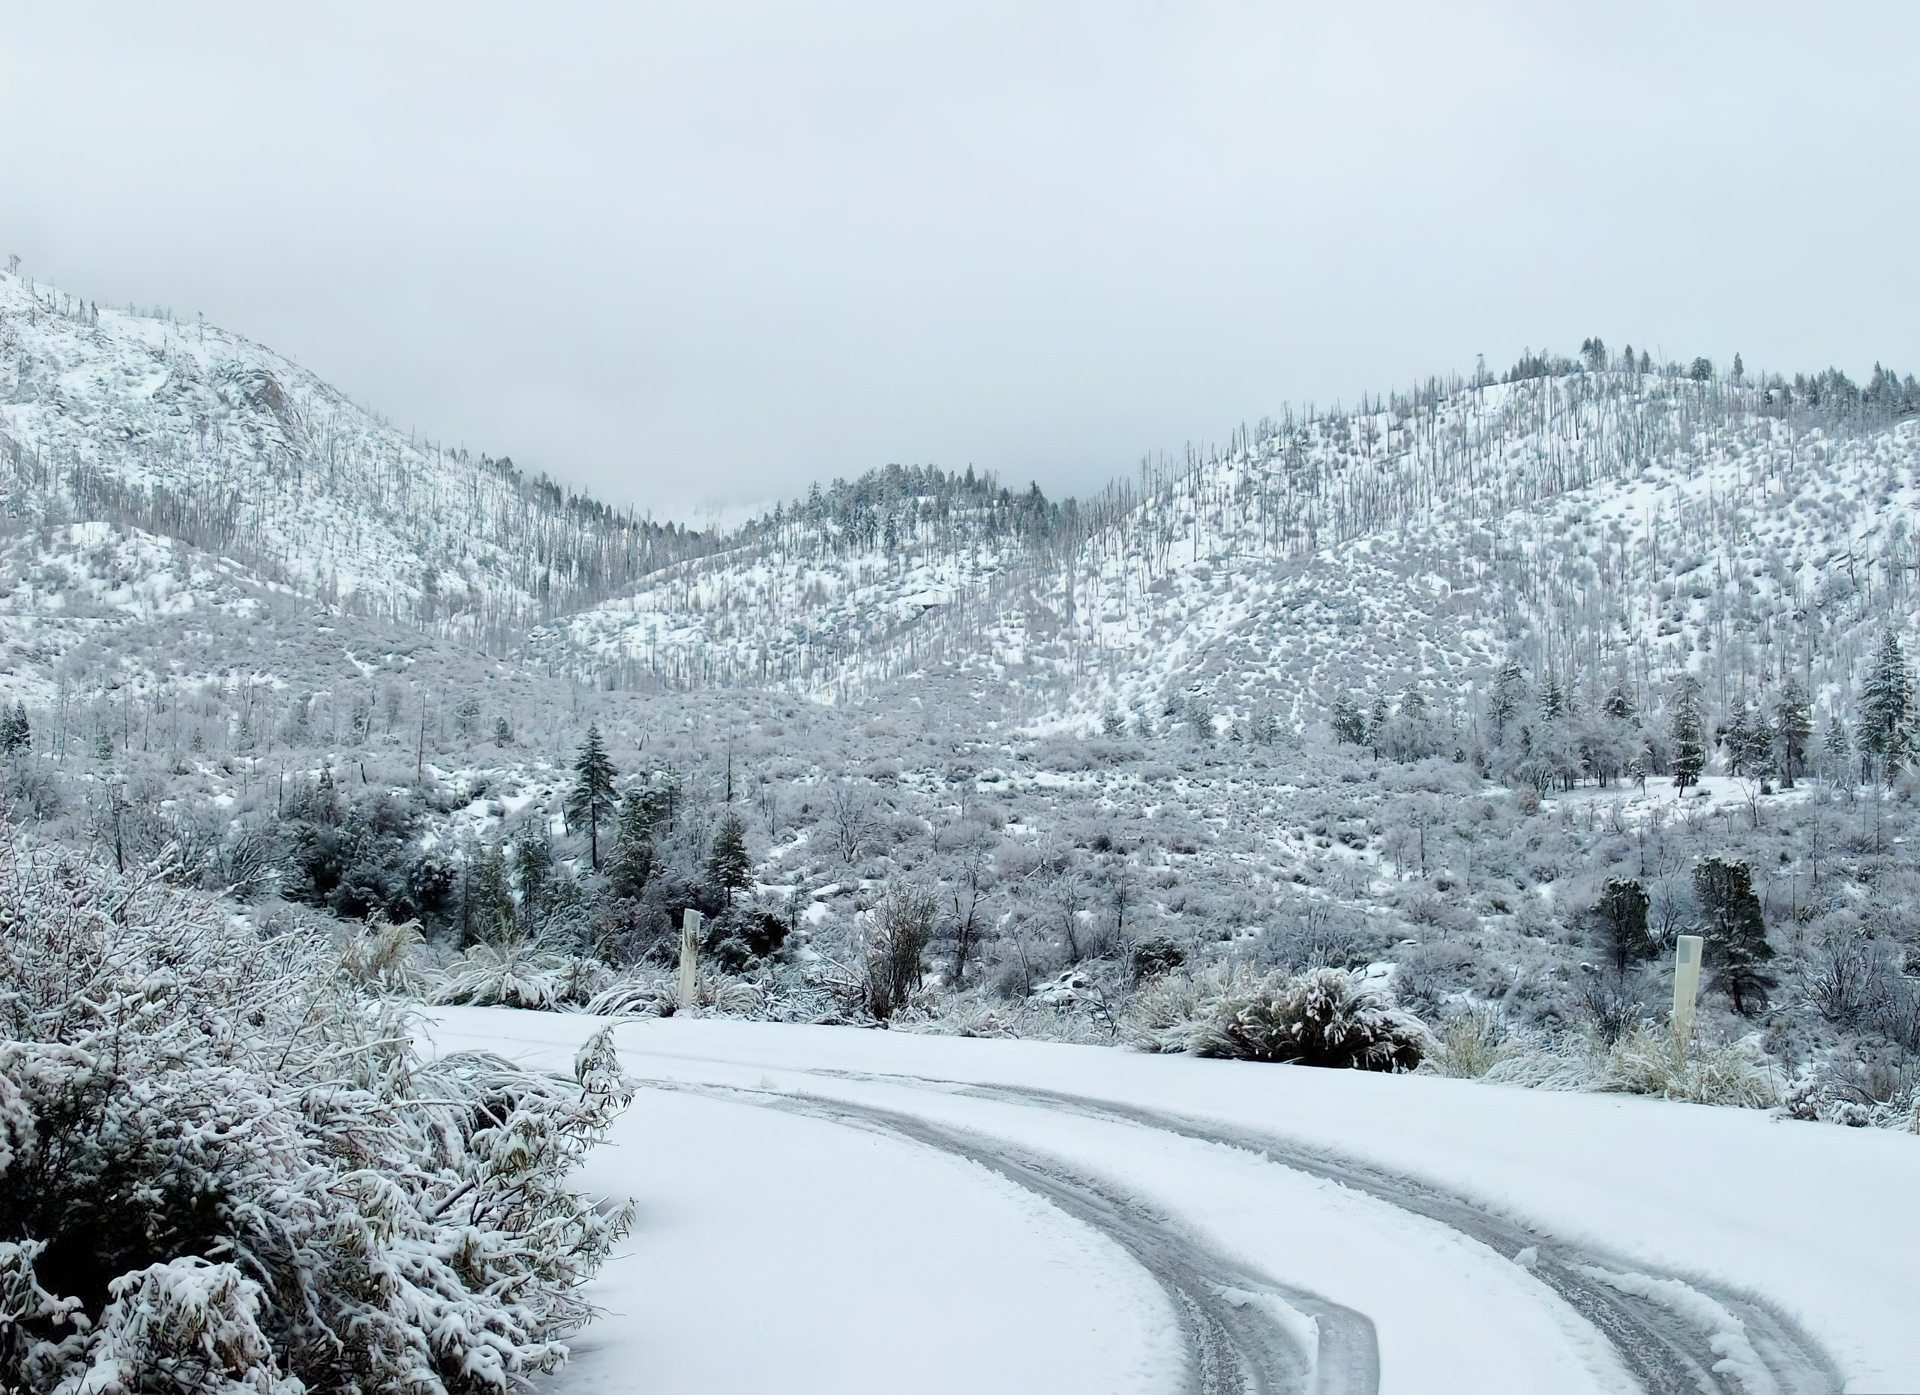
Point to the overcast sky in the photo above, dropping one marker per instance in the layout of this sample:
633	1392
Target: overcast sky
701	254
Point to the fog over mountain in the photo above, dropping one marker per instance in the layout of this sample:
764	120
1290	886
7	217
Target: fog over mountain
693	257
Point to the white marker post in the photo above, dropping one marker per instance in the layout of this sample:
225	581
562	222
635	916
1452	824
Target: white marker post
1686	985
689	958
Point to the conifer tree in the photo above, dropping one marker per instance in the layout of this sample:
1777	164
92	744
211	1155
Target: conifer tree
592	795
1377	721
1509	691
16	733
1348	725
533	868
1792	727
1886	707
1735	932
1619	919
1838	748
729	865
1738	738
1553	698
486	909
1689	750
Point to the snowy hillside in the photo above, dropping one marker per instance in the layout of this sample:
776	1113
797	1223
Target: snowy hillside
193	432
1594	526
1602	525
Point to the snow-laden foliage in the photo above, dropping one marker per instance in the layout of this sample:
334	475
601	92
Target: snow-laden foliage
383	957
1162	1014
1324	1017
1469	1045
223	1168
1646	1061
523	973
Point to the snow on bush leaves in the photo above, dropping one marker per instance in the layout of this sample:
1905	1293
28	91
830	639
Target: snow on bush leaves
1324	1017
223	1168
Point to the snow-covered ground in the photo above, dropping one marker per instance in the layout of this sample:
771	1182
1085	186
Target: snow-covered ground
831	1209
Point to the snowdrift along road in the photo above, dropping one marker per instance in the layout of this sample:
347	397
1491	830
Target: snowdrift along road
831	1209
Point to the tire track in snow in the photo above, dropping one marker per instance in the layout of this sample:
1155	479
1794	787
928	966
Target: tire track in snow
1234	1322
1667	1346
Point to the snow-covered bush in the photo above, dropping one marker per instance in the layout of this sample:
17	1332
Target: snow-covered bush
222	1168
644	994
1324	1017
976	1014
638	995
1470	1044
1825	1099
380	956
1645	1062
523	974
186	1325
1546	1069
1162	1014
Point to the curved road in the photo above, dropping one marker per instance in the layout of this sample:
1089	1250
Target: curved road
1235	1322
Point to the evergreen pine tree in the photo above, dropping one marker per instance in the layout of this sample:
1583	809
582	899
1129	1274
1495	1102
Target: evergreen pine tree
1619	919
1553	698
1688	749
1838	748
1348	725
1735	932
1509	691
591	797
729	865
1886	707
634	859
1737	736
1792	727
16	733
1377	721
486	901
533	868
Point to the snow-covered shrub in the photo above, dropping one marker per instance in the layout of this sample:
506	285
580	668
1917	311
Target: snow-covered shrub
1161	1015
1427	975
579	978
901	927
222	1168
1470	1044
524	973
1646	1062
975	1014
1546	1069
637	995
380	956
1324	1017
186	1325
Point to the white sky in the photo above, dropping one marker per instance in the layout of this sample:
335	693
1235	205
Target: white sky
699	255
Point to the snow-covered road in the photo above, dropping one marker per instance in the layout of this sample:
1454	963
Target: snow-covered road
829	1209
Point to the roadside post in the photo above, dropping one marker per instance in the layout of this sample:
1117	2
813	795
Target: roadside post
690	958
1686	986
